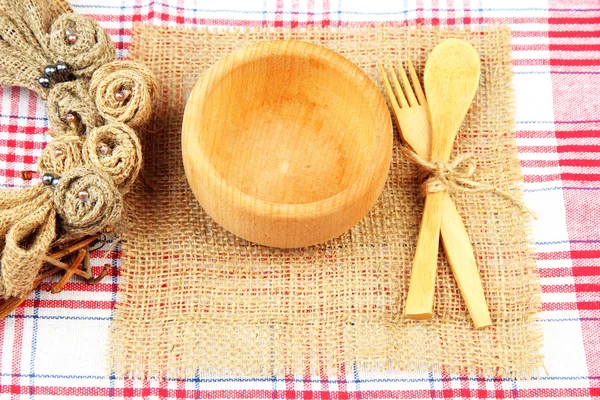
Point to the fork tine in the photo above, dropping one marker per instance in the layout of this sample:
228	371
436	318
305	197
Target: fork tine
399	91
389	90
410	95
416	84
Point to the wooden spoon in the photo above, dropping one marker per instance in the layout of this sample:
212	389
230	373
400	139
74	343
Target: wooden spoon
451	80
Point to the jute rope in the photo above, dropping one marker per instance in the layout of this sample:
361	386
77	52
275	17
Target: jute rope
24	41
116	150
71	99
137	87
61	155
27	227
456	175
95	156
27	242
92	49
102	207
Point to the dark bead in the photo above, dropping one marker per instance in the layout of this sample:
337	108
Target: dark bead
62	68
55	180
50	70
44	81
47	179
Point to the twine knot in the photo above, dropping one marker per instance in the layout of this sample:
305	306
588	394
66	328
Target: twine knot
456	175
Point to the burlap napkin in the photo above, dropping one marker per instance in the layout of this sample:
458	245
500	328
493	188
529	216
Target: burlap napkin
196	299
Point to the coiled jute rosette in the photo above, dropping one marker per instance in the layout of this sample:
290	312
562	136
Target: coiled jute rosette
71	110
123	92
94	102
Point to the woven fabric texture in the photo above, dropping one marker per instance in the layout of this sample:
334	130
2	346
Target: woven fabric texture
197	298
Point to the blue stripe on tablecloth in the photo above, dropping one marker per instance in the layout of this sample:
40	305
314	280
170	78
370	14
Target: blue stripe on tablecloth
36	311
432	381
357	381
557	72
303	380
60	317
560	188
590	121
115	286
566	241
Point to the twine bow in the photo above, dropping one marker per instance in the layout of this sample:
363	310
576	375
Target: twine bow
457	175
94	102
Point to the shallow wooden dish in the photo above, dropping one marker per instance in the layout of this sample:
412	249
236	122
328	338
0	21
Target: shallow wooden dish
286	143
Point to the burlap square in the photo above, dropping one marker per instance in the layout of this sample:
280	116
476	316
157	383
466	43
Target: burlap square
196	299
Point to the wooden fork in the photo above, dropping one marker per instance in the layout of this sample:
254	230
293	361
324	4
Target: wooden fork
411	112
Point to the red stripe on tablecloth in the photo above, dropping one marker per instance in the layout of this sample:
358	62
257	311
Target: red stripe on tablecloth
555	62
589	306
574	20
565	288
574	62
577	134
560	162
568	254
342	384
547	272
556	306
19	323
295	6
310	16
451	13
326	21
70	304
587	287
164	392
467	12
568	148
575	254
446	382
581	275
435	19
574	34
180	14
566	176
573	47
278	13
586	271
541	178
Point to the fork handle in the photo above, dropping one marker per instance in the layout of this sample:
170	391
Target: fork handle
462	262
419	301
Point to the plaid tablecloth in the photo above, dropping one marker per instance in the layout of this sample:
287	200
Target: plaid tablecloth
53	345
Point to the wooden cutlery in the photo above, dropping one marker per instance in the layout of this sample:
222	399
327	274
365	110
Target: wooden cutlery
429	125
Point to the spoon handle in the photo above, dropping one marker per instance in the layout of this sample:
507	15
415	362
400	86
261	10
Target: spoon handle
419	301
462	262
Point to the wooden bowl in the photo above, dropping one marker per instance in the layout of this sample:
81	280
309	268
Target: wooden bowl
286	144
